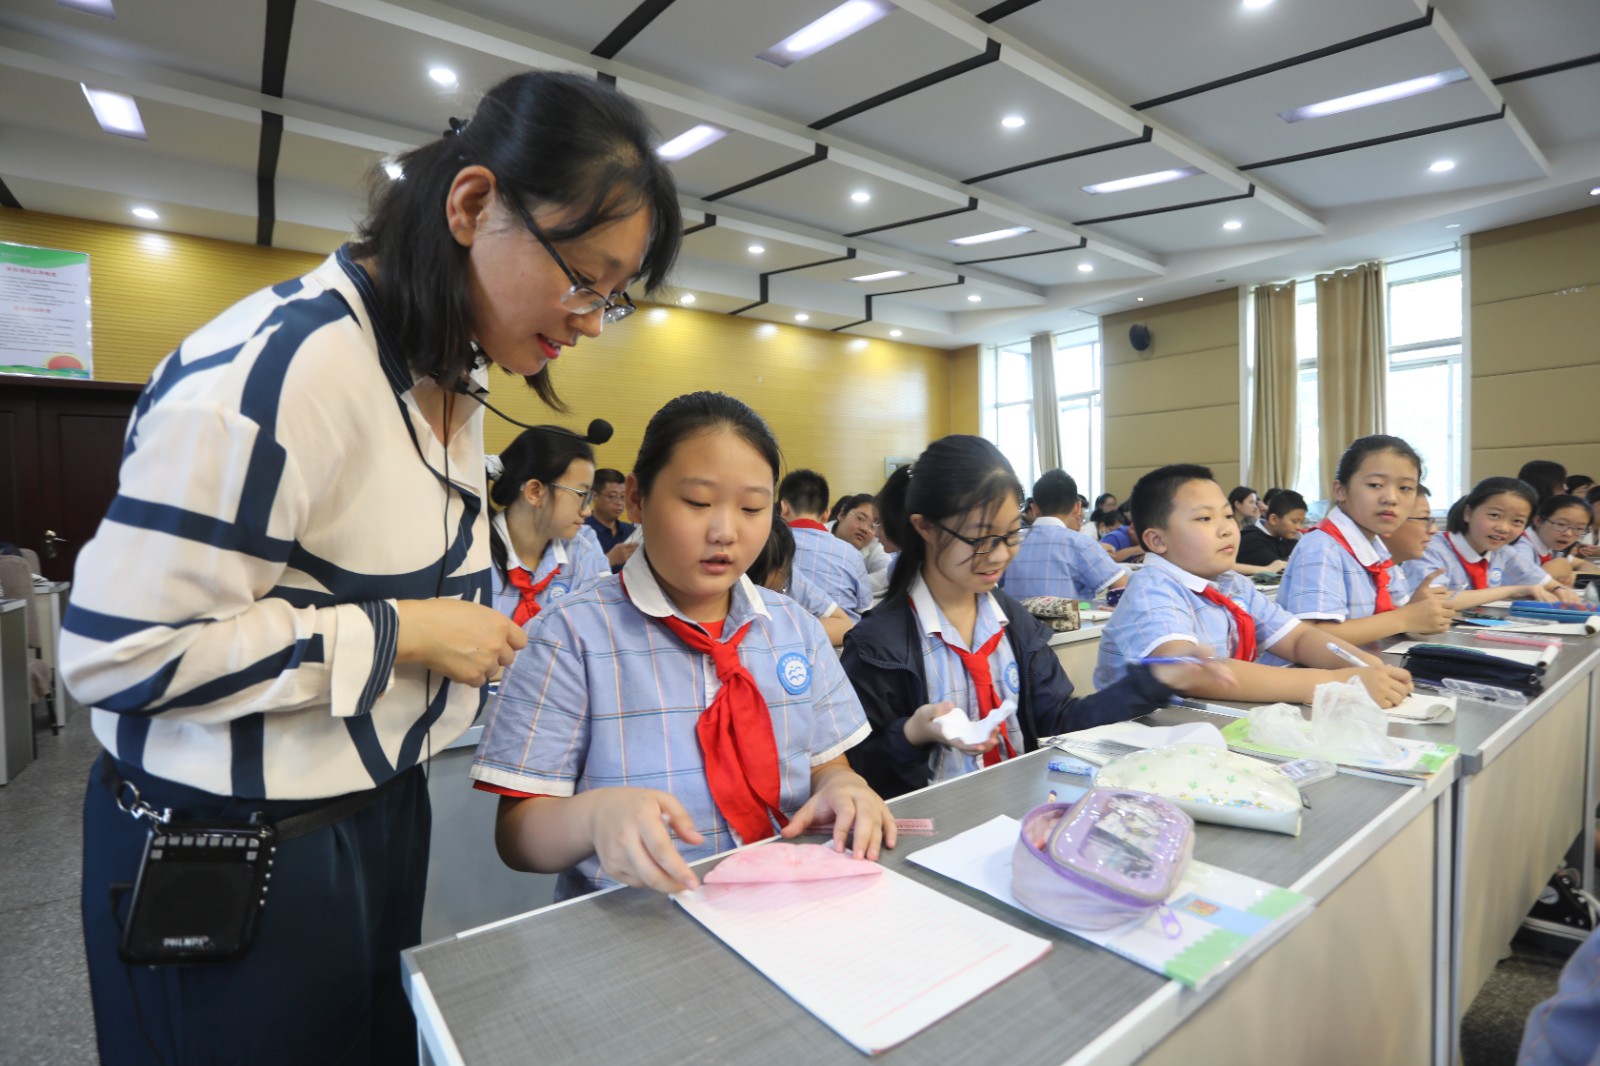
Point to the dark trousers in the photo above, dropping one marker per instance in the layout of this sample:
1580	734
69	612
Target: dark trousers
321	983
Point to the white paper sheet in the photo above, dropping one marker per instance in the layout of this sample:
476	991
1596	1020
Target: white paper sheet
876	959
1150	736
1423	708
957	726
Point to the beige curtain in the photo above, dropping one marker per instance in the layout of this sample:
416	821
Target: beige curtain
1351	361
1275	436
1046	411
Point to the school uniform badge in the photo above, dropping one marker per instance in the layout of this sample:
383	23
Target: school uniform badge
794	673
1495	575
1013	678
558	590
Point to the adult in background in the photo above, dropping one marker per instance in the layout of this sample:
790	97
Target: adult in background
610	530
285	610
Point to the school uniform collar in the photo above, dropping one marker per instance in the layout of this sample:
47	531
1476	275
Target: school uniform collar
1369	551
1047	520
644	591
931	620
555	548
1193	582
1461	546
1539	546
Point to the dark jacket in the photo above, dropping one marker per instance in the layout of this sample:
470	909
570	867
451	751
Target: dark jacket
1257	547
883	658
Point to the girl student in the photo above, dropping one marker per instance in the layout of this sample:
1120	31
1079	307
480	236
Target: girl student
542	494
947	640
1558	524
774	569
1474	550
1341	578
677	699
1245	505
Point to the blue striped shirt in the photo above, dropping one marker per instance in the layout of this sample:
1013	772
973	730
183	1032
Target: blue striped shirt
835	567
233	619
606	695
1506	567
579	560
1325	583
1053	560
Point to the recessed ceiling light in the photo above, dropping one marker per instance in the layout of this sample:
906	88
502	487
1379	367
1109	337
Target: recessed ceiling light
1085	268
894	333
94	7
116	112
1138	299
1013	122
860	197
882	275
1441	166
975	298
690	141
755	249
849	17
1453	225
393	169
1595	191
1255	5
686	299
802	317
1233	223
146	213
993	235
1381	95
1139	181
443	75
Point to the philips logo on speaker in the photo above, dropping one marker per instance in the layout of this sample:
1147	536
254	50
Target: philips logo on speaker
186	943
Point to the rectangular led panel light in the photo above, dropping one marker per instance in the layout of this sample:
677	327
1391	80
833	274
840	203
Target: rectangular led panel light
690	141
1381	95
1139	181
992	235
117	113
849	17
883	275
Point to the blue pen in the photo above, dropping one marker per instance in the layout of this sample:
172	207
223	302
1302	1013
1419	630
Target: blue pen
1170	660
1060	767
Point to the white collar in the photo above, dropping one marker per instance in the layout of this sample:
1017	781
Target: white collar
1193	582
1368	551
1465	550
1047	520
645	592
931	619
1539	546
513	561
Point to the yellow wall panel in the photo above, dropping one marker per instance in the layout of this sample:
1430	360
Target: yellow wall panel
1505	462
838	403
1121	479
1539	332
1536	408
1198	379
1208	435
1197	324
1545	255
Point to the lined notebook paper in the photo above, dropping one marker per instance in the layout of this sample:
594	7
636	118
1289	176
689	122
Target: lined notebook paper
876	959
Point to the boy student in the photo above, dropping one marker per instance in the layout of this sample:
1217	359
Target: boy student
610	531
832	565
1407	543
1186	599
1275	536
1056	558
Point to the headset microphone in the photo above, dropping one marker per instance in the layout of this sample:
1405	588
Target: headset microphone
599	432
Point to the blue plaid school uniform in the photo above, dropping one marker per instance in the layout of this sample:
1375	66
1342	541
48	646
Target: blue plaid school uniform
1053	560
1325	582
833	566
1465	568
565	566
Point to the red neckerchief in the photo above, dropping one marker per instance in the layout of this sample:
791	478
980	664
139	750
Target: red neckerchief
736	737
1244	626
977	667
1478	572
522	581
1379	571
807	523
1544	557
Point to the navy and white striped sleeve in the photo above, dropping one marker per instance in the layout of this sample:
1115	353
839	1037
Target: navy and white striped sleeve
170	611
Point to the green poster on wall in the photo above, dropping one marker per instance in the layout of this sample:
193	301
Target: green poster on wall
44	312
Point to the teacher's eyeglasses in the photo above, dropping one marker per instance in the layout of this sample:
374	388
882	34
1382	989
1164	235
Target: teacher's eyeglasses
580	299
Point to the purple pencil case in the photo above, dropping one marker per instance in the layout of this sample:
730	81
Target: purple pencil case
1114	856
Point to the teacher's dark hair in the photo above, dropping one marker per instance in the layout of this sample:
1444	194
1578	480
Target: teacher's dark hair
551	140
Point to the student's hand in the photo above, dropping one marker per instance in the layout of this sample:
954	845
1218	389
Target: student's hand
628	827
922	731
1387	685
466	642
1587	551
1209	671
1429	610
842	796
1564	595
1277	566
1546	594
621	553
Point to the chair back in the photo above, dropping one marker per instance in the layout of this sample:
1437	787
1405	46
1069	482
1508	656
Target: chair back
16	583
33	559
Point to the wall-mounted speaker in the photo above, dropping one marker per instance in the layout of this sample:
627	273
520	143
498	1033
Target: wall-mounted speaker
1139	336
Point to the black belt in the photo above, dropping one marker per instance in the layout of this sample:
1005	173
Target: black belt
298	825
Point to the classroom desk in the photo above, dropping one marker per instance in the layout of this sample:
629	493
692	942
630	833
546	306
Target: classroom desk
16	711
51	601
626	977
1078	651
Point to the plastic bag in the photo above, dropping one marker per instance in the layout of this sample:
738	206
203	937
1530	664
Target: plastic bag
1345	726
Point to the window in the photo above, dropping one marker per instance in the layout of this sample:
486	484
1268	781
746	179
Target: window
1009	420
1307	476
1008	407
1425	372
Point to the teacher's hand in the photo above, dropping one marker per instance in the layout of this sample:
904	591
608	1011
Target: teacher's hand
466	642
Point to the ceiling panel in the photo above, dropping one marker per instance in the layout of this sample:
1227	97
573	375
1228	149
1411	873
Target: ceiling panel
776	312
735	158
1559	108
820	195
301	238
1241	122
1508	38
58	198
959	298
1061	268
1058	188
1142	49
954	126
322	162
841	272
714	44
582	25
1200	228
720	244
933	238
698	299
1485	154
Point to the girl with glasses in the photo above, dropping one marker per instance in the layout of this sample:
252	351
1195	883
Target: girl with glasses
1558	525
542	494
948	640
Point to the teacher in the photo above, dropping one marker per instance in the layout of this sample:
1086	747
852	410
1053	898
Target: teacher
285	612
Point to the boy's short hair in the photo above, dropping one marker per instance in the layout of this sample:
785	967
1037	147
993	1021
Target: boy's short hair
608	476
1151	499
1284	501
805	491
1055	493
1593	495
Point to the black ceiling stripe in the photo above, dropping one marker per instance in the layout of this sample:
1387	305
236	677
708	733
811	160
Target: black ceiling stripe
711	220
1063	157
818	154
972	205
630	27
991	53
746	307
1553	68
961	279
1174	207
1001	10
605	79
1083	242
8	198
847	325
274	65
1294	61
1336	149
849	253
